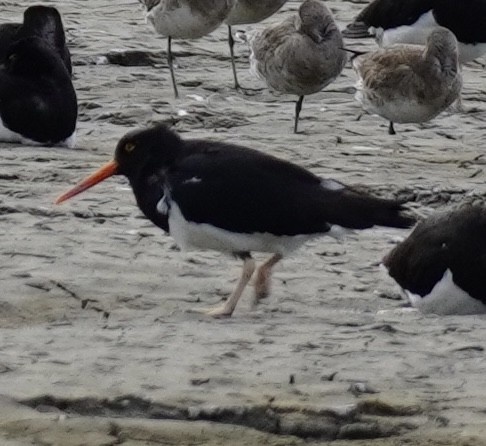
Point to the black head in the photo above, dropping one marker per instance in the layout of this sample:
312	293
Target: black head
156	148
44	22
33	57
157	145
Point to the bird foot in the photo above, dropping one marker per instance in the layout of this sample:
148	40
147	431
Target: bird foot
216	312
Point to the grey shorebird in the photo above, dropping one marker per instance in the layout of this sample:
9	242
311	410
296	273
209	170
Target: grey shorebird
185	19
302	55
245	12
410	83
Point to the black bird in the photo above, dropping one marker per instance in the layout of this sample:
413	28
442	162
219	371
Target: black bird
212	195
37	99
411	21
441	265
40	21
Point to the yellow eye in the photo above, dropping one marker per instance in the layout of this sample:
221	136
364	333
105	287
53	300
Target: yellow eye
129	146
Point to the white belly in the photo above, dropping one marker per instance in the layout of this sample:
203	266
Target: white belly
417	34
447	298
7	135
197	236
469	52
400	110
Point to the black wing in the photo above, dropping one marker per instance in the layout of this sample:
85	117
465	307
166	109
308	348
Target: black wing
246	191
387	14
465	18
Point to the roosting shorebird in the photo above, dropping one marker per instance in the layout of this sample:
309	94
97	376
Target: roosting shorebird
38	103
185	19
406	83
302	55
228	198
441	265
245	12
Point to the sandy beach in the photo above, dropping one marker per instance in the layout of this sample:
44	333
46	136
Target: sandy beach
98	344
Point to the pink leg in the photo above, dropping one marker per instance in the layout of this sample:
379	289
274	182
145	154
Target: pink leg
263	278
226	310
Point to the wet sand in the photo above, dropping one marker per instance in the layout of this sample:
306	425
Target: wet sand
97	342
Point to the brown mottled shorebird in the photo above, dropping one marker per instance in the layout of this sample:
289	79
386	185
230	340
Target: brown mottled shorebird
302	55
245	12
185	19
407	83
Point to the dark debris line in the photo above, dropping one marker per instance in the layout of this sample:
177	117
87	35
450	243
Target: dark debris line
365	420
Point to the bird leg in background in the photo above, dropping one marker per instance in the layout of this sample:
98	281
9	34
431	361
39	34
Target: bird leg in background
298	108
170	61
226	310
391	129
263	276
231	43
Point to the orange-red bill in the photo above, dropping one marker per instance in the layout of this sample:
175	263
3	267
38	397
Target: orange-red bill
104	172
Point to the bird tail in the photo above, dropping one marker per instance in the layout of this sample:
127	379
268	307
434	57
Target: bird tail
357	30
353	209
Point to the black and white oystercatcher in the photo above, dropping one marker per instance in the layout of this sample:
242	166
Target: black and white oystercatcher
40	21
38	103
212	195
411	21
441	265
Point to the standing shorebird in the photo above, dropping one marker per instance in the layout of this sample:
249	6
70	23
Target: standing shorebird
185	19
411	21
245	12
410	83
302	55
228	198
43	22
440	266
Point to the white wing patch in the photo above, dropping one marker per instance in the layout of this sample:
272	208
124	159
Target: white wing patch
193	180
163	206
332	184
447	298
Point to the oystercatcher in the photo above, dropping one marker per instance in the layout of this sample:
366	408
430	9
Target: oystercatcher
302	55
212	195
245	12
411	21
185	19
38	103
407	83
40	21
441	265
